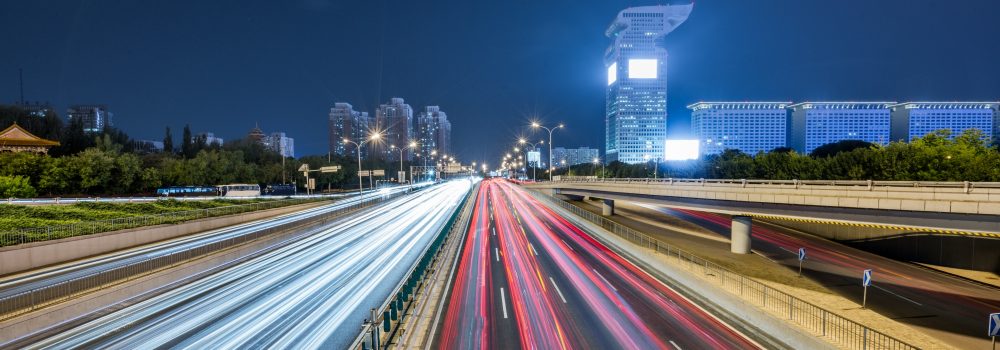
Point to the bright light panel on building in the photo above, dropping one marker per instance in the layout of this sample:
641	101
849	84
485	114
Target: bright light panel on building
642	68
612	73
680	150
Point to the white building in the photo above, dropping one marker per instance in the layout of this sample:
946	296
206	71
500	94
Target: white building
750	127
280	143
814	124
562	157
210	138
912	120
636	62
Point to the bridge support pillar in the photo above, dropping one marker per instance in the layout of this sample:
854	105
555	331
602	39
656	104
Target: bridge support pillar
740	236
608	208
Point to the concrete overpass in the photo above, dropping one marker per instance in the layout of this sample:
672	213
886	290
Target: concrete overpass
948	208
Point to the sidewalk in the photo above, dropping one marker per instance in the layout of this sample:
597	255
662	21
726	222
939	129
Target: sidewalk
759	268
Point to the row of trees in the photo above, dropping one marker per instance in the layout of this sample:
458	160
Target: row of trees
935	157
110	162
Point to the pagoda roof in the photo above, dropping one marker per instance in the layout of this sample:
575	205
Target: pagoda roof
15	135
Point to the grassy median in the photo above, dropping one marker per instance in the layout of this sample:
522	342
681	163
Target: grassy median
22	223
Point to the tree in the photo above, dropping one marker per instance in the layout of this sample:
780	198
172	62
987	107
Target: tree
168	142
16	186
187	144
831	149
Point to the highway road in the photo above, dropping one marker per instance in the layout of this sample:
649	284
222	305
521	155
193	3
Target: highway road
946	307
530	279
310	294
20	283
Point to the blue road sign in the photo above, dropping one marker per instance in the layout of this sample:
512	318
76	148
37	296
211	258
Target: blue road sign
866	279
994	325
802	254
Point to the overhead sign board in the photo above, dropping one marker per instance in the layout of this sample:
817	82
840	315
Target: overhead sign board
330	169
378	172
363	173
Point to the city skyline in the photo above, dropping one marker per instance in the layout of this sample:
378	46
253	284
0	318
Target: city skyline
172	88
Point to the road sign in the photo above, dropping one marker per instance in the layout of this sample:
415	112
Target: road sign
363	173
802	254
866	278
994	327
329	169
378	172
401	176
312	184
304	167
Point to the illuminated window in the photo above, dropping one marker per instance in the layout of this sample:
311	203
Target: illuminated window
642	68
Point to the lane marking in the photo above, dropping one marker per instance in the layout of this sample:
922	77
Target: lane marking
503	302
605	280
533	251
557	289
900	296
674	344
783	248
494	230
496	253
567	245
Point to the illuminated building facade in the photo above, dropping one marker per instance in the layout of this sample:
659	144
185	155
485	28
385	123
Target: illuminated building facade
636	62
750	127
912	120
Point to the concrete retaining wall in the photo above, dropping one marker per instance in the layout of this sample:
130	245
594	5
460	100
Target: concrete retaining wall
29	256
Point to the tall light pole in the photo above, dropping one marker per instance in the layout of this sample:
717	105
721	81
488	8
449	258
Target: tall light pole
595	165
533	147
373	137
536	125
401	149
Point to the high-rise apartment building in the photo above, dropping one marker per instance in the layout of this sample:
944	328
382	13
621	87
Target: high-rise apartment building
94	117
279	142
912	120
395	120
813	124
346	123
433	131
750	127
636	62
562	157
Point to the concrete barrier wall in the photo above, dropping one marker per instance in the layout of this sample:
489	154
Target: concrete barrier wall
931	199
29	256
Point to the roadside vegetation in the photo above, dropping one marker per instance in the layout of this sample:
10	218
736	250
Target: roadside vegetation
32	223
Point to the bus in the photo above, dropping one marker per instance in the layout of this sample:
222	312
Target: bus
187	191
239	190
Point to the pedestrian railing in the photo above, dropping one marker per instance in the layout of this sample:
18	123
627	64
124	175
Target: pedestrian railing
21	303
836	329
379	330
39	234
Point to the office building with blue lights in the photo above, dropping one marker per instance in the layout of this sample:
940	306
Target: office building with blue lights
813	124
911	120
750	127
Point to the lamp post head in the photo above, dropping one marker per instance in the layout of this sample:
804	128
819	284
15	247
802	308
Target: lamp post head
535	124
345	140
376	136
434	152
413	144
517	149
522	141
561	126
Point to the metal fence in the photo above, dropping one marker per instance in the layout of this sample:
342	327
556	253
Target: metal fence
967	186
35	299
834	328
38	234
386	319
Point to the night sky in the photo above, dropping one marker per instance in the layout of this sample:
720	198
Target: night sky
491	65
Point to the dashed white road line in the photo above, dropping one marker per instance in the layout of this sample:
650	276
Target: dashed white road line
496	253
567	244
674	344
900	296
533	249
557	290
503	302
605	279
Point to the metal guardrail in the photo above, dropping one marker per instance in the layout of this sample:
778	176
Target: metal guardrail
391	313
848	184
39	234
71	200
820	322
35	299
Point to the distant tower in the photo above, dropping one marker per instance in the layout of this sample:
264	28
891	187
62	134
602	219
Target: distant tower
636	110
256	134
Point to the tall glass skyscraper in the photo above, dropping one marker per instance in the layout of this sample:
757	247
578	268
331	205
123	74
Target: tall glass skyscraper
814	124
912	120
750	127
636	61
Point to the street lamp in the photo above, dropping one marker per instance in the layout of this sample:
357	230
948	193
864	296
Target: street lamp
536	125
374	137
602	165
401	149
